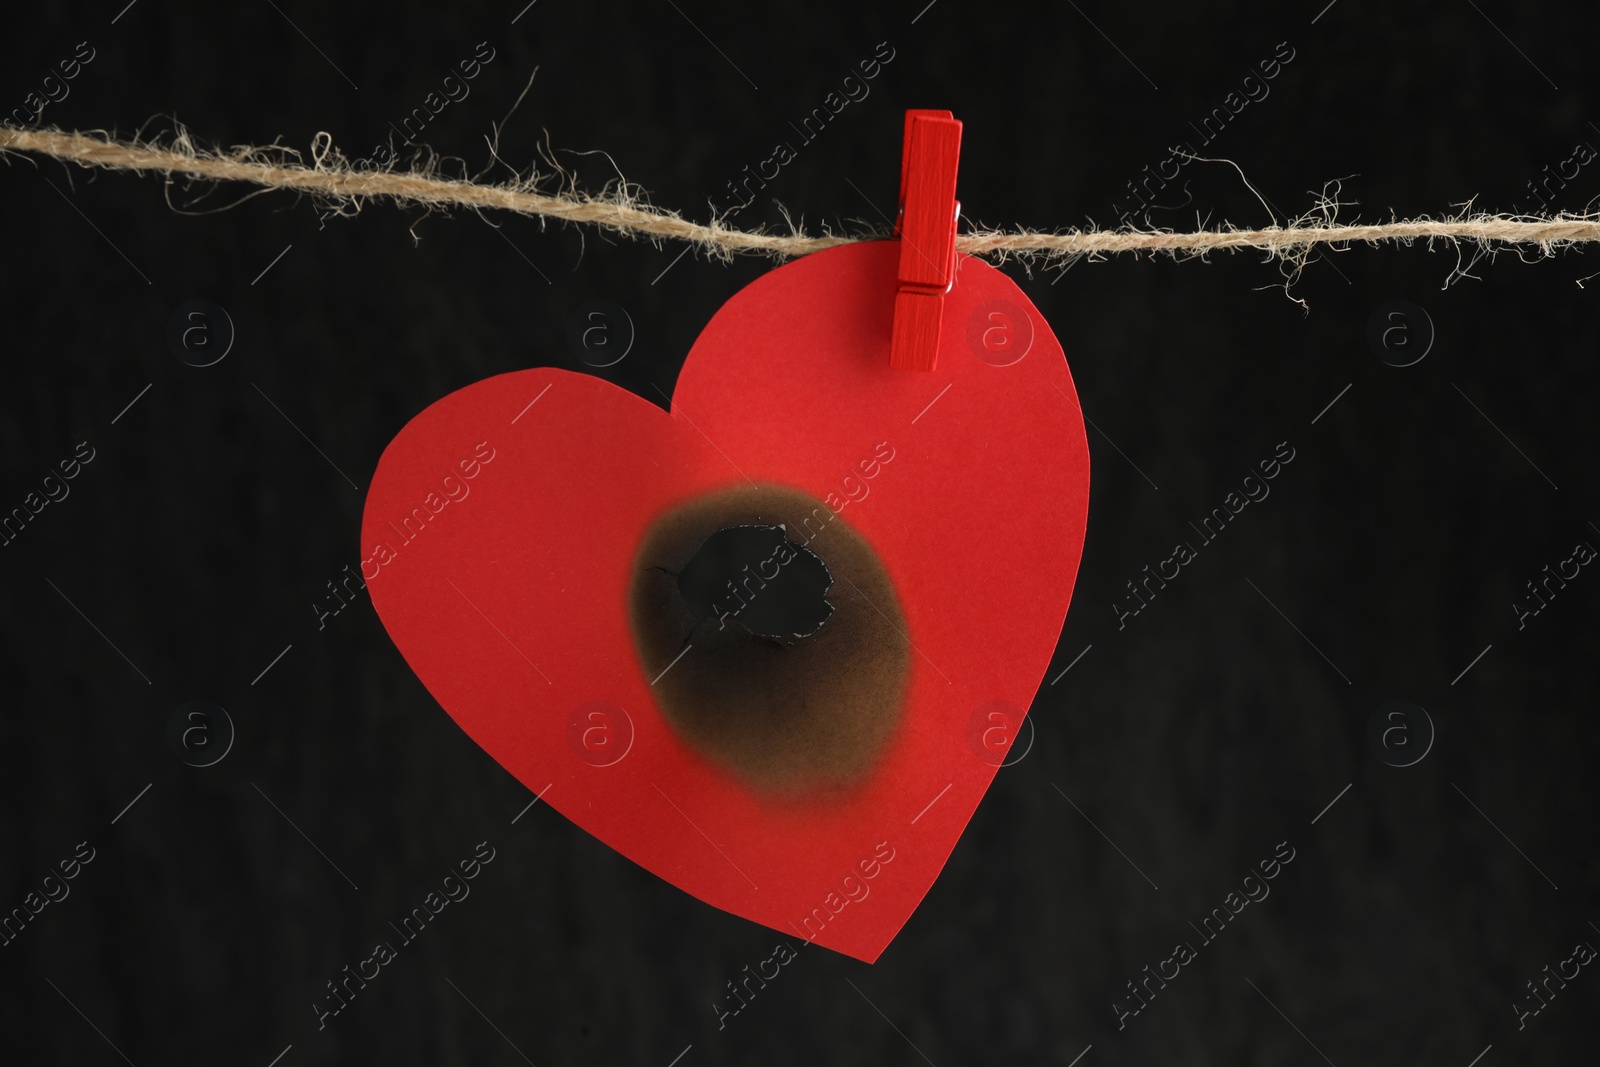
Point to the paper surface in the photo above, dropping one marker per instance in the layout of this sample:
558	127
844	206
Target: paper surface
501	531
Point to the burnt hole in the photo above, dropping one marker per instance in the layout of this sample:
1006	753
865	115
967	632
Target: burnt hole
755	577
772	637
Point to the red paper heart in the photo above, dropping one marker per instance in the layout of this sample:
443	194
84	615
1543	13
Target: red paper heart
502	527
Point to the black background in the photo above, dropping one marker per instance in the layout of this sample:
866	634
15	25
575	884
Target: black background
1197	738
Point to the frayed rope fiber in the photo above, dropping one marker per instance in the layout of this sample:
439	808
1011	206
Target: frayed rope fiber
331	177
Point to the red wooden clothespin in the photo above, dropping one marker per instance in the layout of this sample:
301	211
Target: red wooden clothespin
927	232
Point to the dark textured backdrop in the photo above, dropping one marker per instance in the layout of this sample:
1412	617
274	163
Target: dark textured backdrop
1200	736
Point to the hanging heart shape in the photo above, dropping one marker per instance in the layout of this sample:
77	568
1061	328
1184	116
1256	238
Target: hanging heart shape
526	540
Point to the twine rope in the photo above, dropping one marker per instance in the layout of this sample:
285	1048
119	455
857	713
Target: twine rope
334	181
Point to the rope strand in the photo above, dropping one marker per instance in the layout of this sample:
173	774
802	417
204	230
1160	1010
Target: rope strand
331	177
